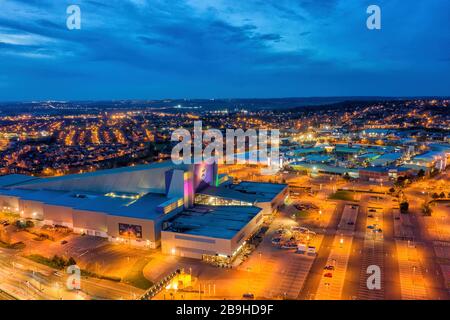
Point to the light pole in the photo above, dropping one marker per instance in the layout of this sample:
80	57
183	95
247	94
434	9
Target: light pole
320	218
248	280
260	267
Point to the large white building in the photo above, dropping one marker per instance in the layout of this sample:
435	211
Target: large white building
135	205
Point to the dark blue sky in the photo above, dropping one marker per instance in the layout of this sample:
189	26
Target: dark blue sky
153	49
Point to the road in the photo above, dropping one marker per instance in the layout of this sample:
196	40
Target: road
417	194
316	272
28	280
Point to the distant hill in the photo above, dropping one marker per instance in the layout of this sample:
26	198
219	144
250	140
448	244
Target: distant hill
179	105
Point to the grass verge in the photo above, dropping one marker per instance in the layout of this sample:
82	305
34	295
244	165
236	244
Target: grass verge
14	246
343	195
135	275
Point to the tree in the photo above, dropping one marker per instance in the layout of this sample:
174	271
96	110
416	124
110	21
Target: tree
59	261
5	236
29	224
421	173
435	195
19	224
392	190
442	195
71	262
404	207
426	209
400	182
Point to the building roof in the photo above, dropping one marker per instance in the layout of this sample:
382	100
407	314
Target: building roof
411	166
343	149
33	195
443	147
227	193
384	169
263	191
299	151
429	156
141	208
222	222
13	179
320	167
387	157
98	173
375	169
317	158
142	179
369	156
246	191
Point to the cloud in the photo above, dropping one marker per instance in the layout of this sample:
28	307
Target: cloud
214	44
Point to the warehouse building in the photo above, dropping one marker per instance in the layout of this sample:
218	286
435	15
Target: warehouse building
133	204
211	232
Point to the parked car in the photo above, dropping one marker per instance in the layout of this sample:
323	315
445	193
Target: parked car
276	240
300	207
329	267
300	229
248	295
289	245
328	275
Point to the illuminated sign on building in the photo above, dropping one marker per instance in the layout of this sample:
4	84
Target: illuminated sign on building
130	231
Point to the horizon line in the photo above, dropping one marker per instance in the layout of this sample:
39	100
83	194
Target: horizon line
353	97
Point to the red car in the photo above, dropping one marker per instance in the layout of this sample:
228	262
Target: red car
328	275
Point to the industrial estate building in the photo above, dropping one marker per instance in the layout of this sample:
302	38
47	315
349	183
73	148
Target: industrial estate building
188	210
375	163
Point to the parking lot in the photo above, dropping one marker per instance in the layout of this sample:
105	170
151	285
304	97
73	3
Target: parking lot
333	276
277	271
412	281
372	254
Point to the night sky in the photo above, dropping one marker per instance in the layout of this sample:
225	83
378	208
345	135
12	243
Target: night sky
153	49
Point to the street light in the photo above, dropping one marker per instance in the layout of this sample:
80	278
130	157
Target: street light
260	254
320	217
248	284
